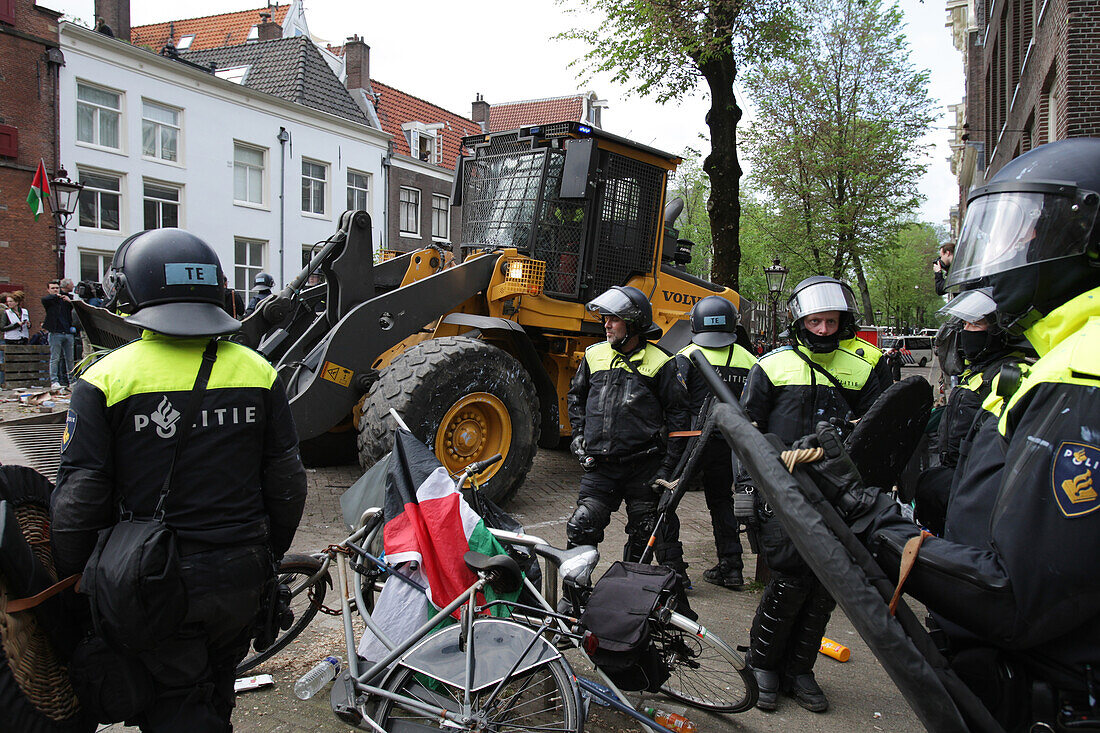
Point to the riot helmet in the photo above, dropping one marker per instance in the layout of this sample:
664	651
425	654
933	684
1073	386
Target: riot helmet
631	305
820	294
264	282
169	281
1031	234
713	322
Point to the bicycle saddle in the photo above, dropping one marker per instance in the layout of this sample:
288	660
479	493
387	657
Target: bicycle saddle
501	571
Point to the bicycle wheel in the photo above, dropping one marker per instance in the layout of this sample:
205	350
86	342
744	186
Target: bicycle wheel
541	699
307	599
704	671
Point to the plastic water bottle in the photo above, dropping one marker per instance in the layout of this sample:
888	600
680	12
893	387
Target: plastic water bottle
672	721
313	680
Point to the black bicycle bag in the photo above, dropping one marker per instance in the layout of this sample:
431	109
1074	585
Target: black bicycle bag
618	614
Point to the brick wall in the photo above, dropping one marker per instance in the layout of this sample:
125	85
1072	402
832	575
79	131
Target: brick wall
1037	75
29	84
427	185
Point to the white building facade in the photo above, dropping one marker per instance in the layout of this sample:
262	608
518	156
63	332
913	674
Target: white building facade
158	142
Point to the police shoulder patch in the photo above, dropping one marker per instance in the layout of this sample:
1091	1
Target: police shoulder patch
1072	478
70	430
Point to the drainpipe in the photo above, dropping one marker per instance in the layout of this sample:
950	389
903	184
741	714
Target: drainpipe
386	161
282	137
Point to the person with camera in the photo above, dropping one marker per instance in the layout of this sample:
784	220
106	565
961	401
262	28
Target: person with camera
942	265
828	374
1011	583
625	398
714	323
193	432
58	303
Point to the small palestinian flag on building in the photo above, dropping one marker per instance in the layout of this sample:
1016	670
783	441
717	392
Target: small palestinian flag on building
40	191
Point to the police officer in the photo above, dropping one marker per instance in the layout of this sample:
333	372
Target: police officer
1012	582
828	374
626	396
714	334
974	348
261	289
238	486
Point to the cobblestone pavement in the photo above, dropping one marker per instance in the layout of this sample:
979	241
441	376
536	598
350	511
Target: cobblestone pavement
862	696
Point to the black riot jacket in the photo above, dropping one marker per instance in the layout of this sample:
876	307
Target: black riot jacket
239	479
965	403
1015	567
731	362
625	412
786	396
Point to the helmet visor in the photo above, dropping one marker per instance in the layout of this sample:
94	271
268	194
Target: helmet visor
822	297
1007	230
971	305
615	302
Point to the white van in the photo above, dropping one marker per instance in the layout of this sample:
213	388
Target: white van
915	350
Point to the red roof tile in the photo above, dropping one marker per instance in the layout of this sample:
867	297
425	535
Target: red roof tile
212	31
395	108
512	115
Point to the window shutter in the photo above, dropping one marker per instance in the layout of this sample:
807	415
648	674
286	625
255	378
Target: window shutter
9	137
438	154
414	143
7	12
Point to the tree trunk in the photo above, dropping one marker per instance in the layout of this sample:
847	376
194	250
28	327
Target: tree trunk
864	293
724	171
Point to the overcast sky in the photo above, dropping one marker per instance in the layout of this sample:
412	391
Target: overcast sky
447	52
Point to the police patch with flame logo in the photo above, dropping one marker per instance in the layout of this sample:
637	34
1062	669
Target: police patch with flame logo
70	430
1074	477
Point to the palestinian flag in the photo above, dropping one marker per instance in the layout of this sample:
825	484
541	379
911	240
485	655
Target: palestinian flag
40	190
429	527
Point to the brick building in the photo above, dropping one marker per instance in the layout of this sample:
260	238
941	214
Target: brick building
1032	77
29	63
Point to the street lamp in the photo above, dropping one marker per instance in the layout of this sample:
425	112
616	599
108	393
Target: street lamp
63	203
775	277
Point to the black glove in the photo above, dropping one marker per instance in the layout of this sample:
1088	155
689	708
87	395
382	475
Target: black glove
663	474
835	473
577	448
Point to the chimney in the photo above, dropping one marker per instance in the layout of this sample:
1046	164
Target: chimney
479	112
357	63
266	30
116	14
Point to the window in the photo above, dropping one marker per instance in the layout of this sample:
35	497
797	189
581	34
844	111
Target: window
98	115
162	206
94	264
410	211
314	178
440	217
100	201
248	174
425	141
358	191
253	33
235	74
160	131
248	262
185	42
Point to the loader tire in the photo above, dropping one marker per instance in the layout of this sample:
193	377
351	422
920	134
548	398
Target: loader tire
467	400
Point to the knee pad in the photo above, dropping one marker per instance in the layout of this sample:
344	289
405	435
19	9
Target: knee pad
586	525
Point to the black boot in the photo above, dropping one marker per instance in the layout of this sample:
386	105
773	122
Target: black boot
768	683
802	650
725	574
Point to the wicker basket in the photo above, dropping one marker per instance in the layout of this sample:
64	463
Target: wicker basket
34	665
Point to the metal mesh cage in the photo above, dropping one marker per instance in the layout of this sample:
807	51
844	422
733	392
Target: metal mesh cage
628	221
559	232
500	194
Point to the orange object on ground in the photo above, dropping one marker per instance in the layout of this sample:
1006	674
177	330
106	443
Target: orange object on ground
835	650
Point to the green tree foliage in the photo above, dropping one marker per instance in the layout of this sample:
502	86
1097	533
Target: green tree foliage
834	147
902	284
665	48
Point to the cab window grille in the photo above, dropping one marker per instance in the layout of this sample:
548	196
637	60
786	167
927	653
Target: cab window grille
628	204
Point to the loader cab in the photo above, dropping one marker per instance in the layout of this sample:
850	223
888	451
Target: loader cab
587	203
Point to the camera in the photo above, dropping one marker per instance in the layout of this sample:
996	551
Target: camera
88	289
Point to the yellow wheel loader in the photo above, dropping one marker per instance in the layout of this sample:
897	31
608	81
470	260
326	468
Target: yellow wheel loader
475	348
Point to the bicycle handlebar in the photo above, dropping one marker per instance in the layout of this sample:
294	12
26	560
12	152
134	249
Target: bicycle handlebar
478	466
